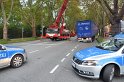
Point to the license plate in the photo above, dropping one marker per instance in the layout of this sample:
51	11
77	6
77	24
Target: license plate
73	64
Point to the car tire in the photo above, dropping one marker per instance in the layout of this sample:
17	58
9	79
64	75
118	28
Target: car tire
17	61
93	38
108	73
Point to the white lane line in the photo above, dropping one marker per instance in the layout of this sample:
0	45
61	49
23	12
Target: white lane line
48	47
68	54
63	59
34	51
75	47
72	50
54	69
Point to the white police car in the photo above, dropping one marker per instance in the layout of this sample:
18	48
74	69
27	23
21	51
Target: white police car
12	56
103	61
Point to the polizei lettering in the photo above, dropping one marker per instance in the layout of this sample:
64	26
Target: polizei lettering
2	55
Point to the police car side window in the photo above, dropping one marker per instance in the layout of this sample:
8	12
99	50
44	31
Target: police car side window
123	51
0	47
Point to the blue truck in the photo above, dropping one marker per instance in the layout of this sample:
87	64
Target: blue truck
86	30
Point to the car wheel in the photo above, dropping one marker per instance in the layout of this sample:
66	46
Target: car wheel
17	61
108	73
52	39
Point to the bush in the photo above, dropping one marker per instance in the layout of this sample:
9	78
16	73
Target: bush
18	40
3	41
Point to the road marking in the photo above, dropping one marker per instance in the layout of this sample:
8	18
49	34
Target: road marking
72	50
75	47
63	59
47	46
54	69
34	51
68	54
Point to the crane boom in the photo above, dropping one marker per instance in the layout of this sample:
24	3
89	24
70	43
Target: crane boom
57	31
59	16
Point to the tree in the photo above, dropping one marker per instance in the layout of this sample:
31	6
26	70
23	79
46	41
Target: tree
0	1
114	14
51	10
93	11
73	13
6	15
31	13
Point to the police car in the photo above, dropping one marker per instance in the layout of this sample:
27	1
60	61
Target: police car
12	56
103	61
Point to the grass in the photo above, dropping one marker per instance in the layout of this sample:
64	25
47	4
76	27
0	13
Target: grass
100	39
17	40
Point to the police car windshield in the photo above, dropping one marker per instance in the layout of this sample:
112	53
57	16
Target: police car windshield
112	44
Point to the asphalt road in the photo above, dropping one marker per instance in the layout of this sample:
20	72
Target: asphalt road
48	62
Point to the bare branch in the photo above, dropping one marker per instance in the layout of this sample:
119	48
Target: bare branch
3	11
106	11
38	6
121	13
115	6
0	2
11	8
108	7
26	18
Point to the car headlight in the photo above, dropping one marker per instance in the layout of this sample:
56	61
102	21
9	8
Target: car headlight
58	34
89	62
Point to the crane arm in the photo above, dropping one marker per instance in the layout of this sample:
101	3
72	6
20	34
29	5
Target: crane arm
59	16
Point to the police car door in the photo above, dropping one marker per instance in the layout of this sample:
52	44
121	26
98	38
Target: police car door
3	56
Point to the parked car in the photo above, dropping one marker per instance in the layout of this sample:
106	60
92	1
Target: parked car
103	61
12	56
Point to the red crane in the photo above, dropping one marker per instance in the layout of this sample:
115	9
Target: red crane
58	18
55	31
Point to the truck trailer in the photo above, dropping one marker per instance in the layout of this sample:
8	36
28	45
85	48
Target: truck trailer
86	30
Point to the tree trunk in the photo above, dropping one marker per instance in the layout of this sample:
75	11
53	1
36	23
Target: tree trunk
33	29
115	22
114	15
5	19
5	30
115	28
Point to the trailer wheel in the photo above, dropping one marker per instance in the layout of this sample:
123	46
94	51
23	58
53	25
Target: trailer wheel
108	73
93	38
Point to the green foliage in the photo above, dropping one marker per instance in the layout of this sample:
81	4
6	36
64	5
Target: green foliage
73	13
1	31
18	40
41	12
7	5
3	41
